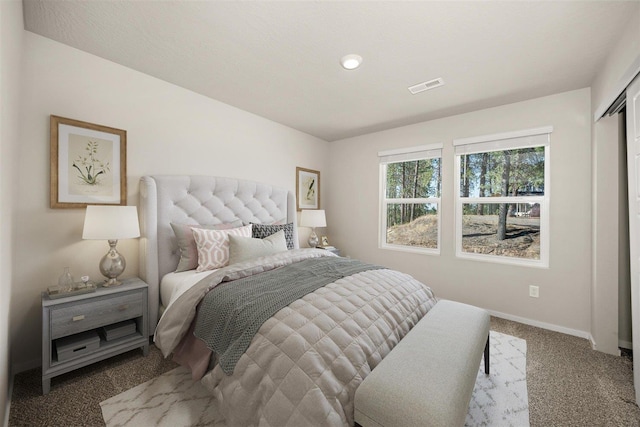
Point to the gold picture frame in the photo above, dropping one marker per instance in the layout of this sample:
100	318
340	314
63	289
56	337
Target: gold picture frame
307	189
88	164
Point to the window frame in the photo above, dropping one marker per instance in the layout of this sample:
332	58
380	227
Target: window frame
431	151
538	137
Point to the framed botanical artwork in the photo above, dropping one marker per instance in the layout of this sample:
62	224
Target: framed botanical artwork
307	189
88	164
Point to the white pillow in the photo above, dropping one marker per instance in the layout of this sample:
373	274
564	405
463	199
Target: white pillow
244	248
187	245
213	246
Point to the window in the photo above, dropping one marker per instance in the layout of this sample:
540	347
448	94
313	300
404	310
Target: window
502	197
410	187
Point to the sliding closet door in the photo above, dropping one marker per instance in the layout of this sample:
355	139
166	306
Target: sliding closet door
633	163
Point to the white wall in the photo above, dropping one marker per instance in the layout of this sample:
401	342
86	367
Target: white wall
611	318
621	57
10	70
564	287
170	130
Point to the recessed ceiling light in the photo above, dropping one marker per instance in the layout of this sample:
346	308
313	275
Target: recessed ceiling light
351	62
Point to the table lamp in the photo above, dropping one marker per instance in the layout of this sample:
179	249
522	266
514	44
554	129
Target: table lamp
111	223
313	218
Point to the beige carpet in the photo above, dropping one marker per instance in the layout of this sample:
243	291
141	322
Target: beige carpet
75	397
174	400
568	384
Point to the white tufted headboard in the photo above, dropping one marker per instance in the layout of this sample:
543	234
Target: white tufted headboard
198	200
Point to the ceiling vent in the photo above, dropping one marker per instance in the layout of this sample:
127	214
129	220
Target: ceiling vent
421	87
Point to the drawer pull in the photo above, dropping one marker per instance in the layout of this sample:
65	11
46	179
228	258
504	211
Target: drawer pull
123	307
78	318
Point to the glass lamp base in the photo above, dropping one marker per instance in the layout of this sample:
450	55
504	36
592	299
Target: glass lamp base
111	282
112	265
313	239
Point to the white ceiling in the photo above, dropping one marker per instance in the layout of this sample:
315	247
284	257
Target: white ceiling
280	60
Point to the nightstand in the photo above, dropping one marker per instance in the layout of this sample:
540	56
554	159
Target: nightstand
83	329
330	249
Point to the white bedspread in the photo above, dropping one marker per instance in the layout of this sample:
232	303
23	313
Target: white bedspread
305	363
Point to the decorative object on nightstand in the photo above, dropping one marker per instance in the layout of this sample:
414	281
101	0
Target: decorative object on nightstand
65	281
111	223
313	218
327	247
78	330
67	286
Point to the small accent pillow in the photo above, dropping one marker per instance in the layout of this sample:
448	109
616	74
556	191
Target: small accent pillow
213	246
260	231
245	248
187	245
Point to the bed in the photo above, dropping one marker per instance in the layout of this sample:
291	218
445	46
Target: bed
307	357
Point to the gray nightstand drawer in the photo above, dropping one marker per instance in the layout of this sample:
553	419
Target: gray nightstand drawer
95	313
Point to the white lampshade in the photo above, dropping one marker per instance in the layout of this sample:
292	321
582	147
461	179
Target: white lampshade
111	222
313	218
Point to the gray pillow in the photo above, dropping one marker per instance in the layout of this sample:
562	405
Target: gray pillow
187	244
260	231
245	248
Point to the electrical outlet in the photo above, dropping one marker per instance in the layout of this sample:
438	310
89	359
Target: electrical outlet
534	291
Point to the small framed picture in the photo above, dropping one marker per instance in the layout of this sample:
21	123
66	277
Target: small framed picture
324	241
307	189
88	164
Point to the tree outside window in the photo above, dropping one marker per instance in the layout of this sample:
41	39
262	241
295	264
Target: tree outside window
502	200
410	214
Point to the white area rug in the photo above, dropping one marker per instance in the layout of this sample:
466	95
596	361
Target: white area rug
500	399
174	400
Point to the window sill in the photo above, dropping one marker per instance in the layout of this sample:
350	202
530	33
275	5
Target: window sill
520	262
411	249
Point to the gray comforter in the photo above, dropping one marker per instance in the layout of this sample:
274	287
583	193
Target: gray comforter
305	363
230	316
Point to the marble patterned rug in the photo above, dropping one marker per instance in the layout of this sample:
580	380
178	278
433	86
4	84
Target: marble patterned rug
174	399
500	399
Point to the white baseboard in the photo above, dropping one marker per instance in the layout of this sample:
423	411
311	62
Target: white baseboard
543	325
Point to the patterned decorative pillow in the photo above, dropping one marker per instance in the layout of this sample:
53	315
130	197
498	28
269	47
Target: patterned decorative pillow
260	231
245	248
213	246
187	245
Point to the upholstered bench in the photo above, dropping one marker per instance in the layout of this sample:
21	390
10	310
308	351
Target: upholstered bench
428	377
